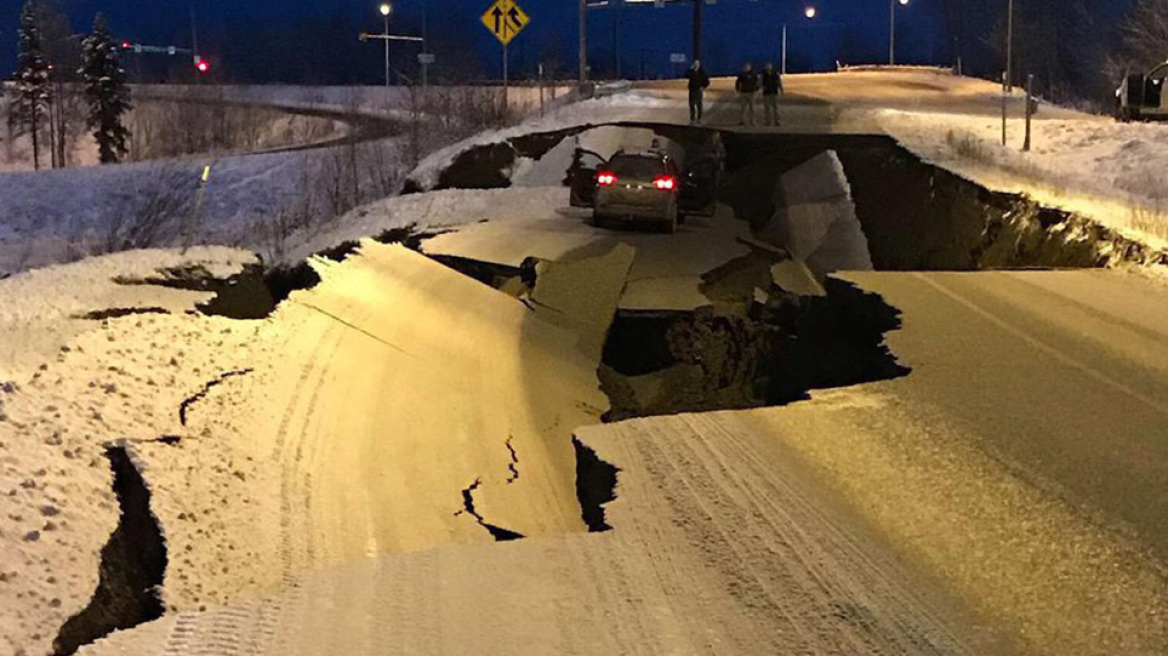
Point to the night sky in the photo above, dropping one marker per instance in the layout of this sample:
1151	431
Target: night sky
314	41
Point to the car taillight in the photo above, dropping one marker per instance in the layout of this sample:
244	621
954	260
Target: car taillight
665	182
605	179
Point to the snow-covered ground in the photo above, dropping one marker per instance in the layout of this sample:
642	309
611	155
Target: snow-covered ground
58	216
378	100
69	386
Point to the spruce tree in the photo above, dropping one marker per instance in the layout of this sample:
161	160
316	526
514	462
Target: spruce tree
32	77
106	91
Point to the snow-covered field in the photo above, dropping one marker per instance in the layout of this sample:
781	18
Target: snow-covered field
247	201
373	100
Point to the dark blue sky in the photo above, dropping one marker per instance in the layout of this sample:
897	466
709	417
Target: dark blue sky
261	40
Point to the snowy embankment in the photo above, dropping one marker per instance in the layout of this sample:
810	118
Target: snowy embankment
1090	165
377	100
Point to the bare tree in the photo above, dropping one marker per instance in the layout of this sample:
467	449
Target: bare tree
155	213
1143	37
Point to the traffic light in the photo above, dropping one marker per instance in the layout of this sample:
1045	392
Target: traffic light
203	66
126	45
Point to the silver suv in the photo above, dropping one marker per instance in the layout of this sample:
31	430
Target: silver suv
638	187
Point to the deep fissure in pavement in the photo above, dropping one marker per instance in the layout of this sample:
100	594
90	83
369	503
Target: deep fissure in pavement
595	486
468	506
242	296
281	280
658	363
133	563
920	217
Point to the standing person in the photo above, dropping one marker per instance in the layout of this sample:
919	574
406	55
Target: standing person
747	85
698	82
772	88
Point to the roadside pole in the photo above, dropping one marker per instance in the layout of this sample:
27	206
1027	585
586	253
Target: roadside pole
583	42
1008	81
505	19
784	68
1005	99
1029	110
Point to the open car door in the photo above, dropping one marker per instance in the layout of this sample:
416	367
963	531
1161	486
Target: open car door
582	177
699	187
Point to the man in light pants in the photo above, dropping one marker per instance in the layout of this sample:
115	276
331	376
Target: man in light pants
747	85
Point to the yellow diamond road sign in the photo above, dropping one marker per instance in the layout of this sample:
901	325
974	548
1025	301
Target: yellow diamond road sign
505	19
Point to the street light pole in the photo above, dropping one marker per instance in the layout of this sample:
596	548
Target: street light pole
809	12
892	30
783	69
386	10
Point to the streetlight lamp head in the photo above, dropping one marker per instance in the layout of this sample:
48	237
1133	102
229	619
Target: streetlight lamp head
810	12
386	8
904	2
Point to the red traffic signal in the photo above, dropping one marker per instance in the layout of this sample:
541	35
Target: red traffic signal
126	45
202	65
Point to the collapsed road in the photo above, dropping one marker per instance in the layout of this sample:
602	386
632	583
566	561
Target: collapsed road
839	435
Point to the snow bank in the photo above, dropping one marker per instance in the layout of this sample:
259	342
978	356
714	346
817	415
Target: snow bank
1110	172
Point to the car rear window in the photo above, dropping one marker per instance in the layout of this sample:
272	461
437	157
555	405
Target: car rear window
632	166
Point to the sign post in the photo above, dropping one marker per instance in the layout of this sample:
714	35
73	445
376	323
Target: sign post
505	19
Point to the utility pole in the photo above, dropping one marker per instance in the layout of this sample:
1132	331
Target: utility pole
1010	48
616	18
386	9
194	32
583	41
697	30
426	51
892	33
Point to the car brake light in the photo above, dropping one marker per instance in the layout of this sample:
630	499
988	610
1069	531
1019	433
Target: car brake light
605	179
666	183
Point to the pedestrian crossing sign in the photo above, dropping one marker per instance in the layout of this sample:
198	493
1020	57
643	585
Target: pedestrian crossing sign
505	19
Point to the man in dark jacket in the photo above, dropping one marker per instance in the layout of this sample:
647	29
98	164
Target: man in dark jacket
698	82
747	85
772	88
